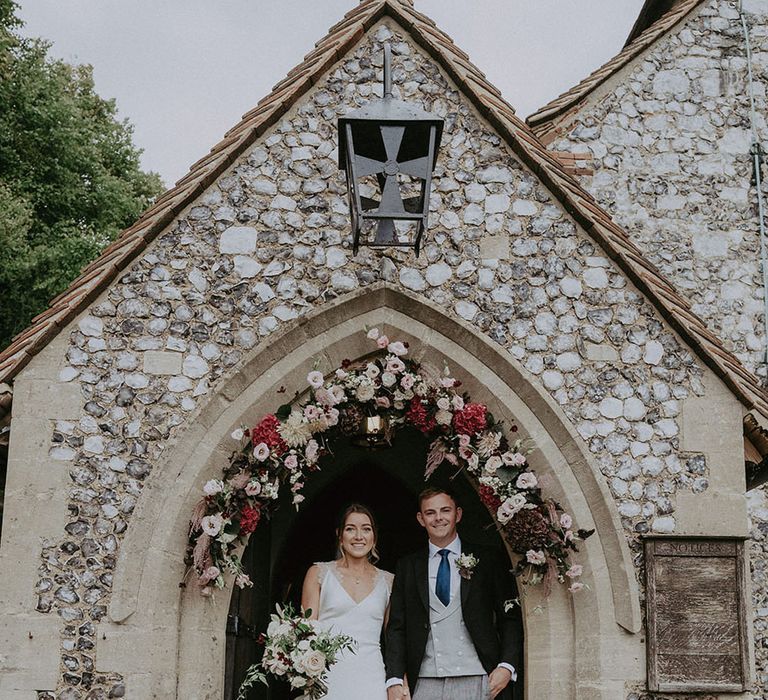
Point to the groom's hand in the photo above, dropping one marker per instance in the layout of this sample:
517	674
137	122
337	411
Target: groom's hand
396	692
497	680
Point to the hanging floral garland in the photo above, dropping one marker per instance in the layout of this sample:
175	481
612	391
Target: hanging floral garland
284	448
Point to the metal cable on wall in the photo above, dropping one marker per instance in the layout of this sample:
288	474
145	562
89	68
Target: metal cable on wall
756	151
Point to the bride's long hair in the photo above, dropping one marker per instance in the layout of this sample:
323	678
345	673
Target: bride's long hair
373	555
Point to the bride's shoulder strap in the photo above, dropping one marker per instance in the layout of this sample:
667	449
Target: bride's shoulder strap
388	579
322	569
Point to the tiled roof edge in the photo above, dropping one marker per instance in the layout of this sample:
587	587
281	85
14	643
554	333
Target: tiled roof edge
541	120
577	201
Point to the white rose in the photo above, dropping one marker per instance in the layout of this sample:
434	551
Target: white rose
373	334
372	370
397	348
365	392
443	417
238	434
212	524
493	463
443	403
314	663
298	682
388	379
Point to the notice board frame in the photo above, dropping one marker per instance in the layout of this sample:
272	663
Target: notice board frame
697	546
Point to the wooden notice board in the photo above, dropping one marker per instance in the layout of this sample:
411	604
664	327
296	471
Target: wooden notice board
695	597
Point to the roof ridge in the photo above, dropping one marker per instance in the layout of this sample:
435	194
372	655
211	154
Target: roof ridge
541	120
489	102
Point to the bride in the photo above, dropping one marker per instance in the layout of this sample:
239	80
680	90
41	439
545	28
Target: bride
351	596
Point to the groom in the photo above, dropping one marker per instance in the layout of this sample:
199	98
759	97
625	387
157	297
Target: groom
448	628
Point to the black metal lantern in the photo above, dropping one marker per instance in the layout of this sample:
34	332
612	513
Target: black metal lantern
388	149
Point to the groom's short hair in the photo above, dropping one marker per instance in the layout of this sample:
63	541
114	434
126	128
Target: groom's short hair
431	491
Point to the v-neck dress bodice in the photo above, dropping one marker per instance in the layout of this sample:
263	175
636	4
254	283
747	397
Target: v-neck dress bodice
363	621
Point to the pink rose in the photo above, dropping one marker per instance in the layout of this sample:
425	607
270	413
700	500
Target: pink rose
527	481
464	440
382	402
291	462
513	459
397	348
407	382
577	586
261	451
311	412
382	342
333	417
566	521
458	403
253	488
323	396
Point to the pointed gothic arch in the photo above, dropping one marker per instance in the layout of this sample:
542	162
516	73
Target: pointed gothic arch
571	642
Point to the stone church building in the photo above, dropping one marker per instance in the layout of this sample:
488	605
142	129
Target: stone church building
591	274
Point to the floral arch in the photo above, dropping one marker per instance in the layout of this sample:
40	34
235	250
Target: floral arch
283	450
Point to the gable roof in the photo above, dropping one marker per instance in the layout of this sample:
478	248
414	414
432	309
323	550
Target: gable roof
545	120
487	99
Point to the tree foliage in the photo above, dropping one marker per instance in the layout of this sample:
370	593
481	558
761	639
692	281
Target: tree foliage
70	177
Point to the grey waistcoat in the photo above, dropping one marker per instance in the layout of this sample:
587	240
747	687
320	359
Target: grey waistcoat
449	651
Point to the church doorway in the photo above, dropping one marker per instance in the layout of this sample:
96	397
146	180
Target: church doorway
279	553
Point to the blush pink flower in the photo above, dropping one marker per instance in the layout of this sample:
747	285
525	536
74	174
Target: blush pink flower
397	348
291	462
576	586
373	334
535	556
513	459
382	341
395	365
527	480
566	521
253	488
261	451
464	440
315	379
382	402
407	382
574	571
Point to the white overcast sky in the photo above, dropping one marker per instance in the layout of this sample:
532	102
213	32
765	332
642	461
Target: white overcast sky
184	71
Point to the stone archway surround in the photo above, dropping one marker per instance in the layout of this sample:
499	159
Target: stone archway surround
169	642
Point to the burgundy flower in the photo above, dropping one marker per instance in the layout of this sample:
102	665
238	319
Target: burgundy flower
249	519
471	419
266	432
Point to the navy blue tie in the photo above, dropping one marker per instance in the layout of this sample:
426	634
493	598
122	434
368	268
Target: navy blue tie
443	584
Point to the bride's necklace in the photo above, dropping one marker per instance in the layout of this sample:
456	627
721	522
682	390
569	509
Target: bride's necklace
357	578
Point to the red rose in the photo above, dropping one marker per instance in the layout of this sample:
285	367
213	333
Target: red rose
471	419
249	519
266	432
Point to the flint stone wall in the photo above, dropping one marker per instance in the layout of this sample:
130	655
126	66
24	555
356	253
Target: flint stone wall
271	241
670	148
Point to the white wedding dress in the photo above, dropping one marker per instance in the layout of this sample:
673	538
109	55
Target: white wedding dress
360	674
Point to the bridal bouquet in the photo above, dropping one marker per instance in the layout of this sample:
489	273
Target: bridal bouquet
298	652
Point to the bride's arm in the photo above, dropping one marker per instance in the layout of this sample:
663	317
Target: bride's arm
310	592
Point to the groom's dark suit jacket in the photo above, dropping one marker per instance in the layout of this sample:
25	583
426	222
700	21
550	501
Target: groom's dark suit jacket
496	634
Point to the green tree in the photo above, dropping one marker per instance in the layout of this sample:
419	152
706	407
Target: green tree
70	176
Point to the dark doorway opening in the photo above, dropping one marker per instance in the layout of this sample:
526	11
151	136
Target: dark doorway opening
279	553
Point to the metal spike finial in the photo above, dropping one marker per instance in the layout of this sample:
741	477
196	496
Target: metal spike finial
387	71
